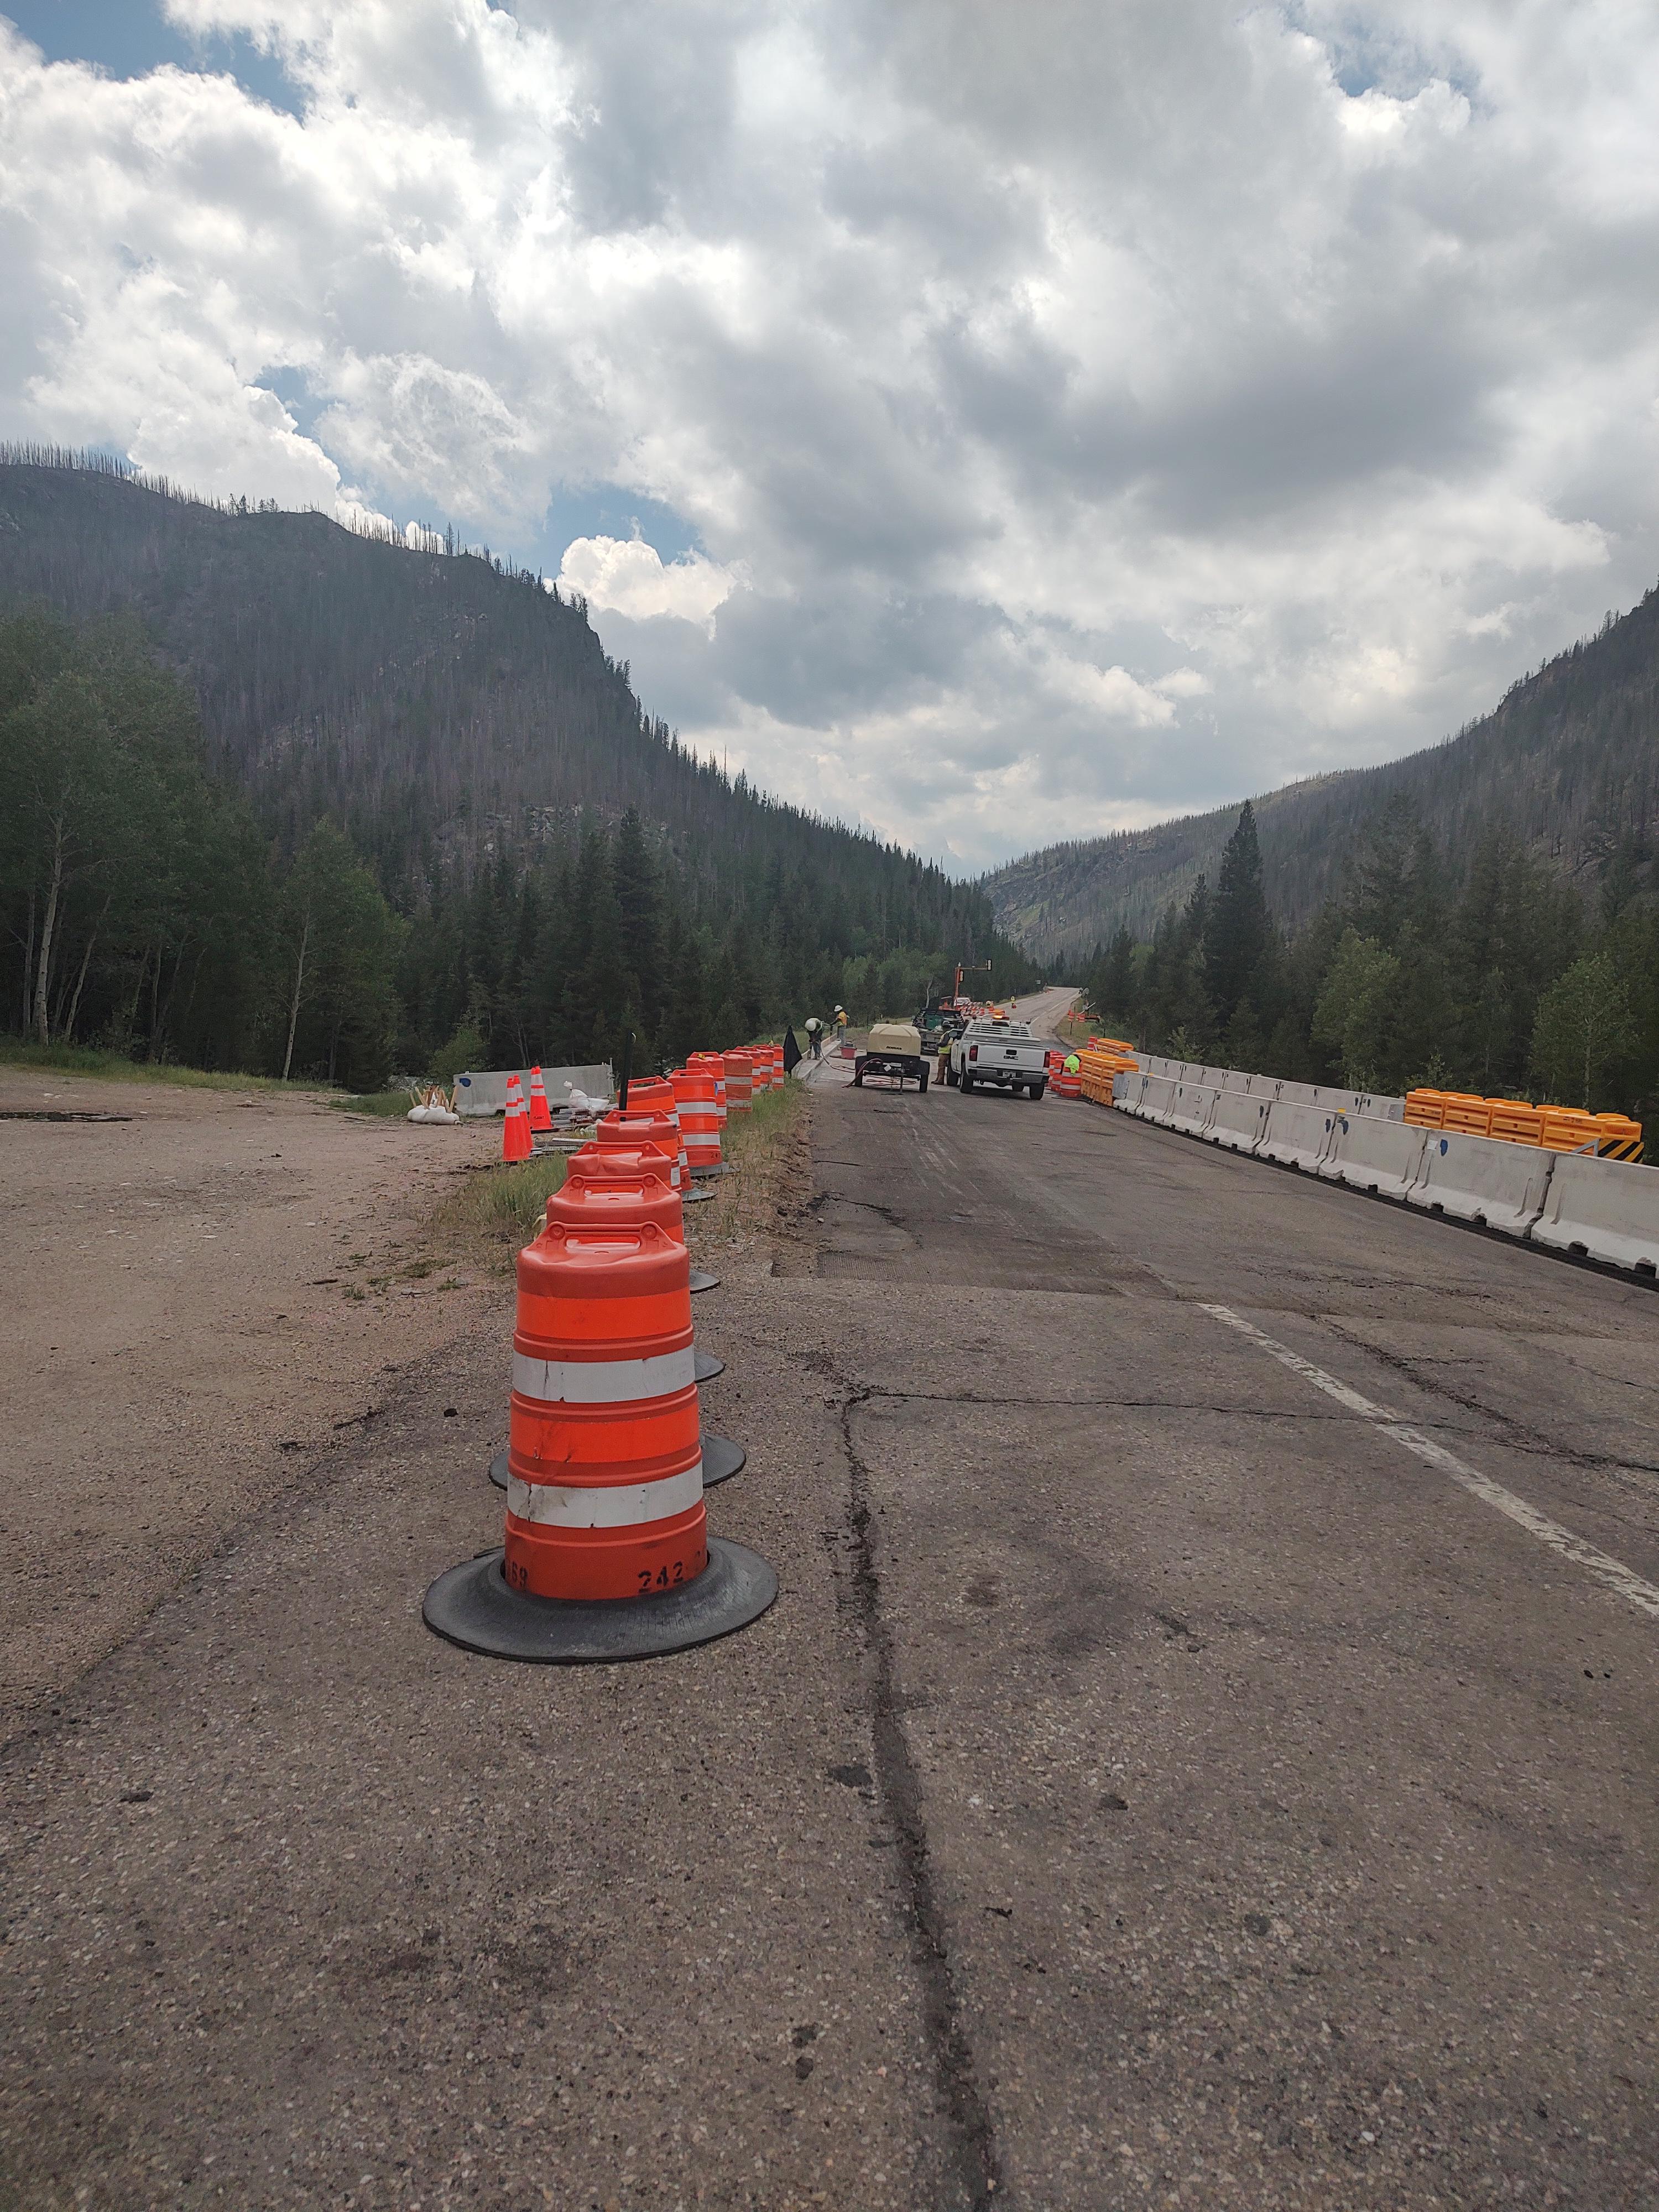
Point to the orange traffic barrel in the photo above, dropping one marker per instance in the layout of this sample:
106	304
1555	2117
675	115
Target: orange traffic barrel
607	1553
625	1163
517	1143
620	1131
619	1188
739	1082
1065	1084
712	1064
1516	1122
1425	1109
539	1116
700	1124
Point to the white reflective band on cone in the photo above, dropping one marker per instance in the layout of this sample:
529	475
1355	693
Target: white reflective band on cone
603	1505
602	1382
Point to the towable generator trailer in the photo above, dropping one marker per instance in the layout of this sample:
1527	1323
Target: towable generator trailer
893	1049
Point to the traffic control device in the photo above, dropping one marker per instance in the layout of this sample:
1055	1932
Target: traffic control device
607	1554
626	1163
516	1140
739	1083
540	1119
700	1118
625	1190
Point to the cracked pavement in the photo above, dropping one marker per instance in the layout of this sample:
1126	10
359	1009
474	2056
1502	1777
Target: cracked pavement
1151	1787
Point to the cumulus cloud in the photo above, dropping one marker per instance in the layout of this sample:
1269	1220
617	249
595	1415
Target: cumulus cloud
1077	414
628	577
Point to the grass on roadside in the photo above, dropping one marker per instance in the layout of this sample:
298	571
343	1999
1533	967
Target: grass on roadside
86	1060
758	1144
496	1211
391	1105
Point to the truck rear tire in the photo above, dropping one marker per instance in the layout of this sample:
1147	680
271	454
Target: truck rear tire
964	1082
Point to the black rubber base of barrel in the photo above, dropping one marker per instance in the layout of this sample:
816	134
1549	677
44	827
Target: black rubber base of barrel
696	1197
704	1365
472	1605
722	1459
715	1168
702	1280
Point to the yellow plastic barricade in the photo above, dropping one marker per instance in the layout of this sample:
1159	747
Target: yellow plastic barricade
1425	1109
1621	1137
1516	1122
1470	1115
1570	1129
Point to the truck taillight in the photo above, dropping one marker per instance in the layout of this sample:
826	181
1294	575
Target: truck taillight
973	1052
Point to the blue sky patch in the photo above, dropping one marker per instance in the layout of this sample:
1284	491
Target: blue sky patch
129	37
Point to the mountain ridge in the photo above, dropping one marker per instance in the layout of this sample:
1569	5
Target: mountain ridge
1567	761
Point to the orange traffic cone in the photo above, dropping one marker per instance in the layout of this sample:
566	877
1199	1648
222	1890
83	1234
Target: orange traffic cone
539	1116
516	1143
607	1553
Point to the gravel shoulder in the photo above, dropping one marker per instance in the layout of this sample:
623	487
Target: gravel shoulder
206	1298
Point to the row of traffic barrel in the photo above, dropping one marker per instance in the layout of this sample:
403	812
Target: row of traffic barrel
607	1553
1518	1122
709	1087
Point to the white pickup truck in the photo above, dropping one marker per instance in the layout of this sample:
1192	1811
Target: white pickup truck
1002	1055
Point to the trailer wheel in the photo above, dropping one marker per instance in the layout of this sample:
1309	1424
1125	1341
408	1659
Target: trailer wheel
924	1081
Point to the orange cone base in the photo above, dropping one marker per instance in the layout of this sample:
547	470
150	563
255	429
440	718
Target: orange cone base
471	1606
600	1562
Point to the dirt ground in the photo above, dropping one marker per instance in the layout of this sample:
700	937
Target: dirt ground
207	1299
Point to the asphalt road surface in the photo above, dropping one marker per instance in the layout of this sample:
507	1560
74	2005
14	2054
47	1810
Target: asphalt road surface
1203	1752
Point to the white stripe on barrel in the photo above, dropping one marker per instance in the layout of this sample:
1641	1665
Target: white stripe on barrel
602	1382
603	1505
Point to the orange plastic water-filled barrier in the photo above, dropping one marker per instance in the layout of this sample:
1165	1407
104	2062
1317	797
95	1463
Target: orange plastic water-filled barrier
1425	1109
739	1082
539	1116
516	1141
1516	1122
700	1118
1470	1115
1570	1129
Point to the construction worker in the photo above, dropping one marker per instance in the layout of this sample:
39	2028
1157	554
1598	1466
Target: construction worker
1072	1065
815	1036
841	1017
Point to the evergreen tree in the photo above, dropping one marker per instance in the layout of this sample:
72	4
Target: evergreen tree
1236	927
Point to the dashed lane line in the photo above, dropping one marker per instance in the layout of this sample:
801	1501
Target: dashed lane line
1623	1581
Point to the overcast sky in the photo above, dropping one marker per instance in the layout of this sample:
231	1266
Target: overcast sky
992	420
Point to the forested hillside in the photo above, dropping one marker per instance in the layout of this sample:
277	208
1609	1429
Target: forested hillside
277	793
1568	764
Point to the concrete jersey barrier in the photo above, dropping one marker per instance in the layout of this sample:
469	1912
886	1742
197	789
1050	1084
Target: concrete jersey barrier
1238	1121
485	1092
1191	1108
1369	1153
1125	1091
1155	1101
1484	1179
1297	1136
1608	1210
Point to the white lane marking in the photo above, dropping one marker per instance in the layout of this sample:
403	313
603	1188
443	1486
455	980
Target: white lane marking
1618	1577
